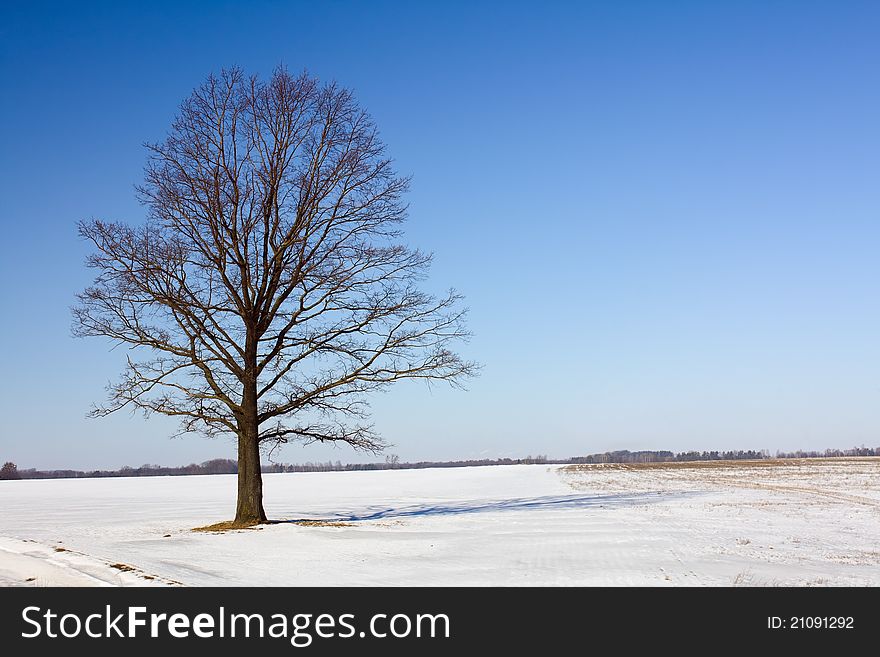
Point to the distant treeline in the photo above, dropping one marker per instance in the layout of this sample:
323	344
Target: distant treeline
214	466
625	456
228	466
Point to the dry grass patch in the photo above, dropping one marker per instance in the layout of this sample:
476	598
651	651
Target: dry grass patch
225	526
322	523
124	567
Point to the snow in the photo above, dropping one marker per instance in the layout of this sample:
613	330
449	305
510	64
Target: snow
800	523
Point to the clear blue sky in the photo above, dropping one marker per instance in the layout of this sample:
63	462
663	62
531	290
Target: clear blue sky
665	216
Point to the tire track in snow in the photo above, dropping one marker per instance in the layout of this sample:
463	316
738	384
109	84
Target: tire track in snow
29	561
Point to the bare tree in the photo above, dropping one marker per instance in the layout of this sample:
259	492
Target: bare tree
9	471
267	285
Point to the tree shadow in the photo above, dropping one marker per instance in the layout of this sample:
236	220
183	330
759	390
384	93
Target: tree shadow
514	504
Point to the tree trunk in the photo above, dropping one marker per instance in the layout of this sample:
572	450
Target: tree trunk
249	509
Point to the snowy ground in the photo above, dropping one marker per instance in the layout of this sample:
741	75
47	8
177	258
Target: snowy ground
792	523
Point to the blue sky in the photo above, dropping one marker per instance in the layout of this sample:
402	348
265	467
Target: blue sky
665	216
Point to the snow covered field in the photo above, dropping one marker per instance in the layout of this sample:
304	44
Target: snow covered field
813	522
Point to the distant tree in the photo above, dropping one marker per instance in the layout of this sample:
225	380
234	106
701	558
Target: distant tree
9	471
268	284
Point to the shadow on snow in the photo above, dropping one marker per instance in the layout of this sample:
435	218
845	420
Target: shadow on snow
515	504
